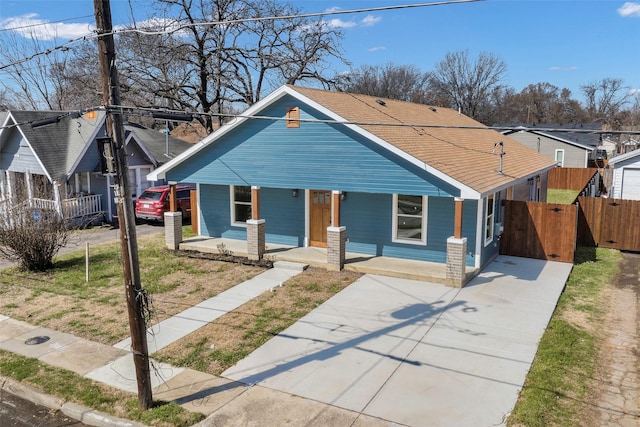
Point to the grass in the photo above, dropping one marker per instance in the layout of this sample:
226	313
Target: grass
75	388
96	310
564	197
558	381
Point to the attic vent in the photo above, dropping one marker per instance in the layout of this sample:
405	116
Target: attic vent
293	117
381	102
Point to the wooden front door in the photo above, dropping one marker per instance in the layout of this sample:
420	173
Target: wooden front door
319	217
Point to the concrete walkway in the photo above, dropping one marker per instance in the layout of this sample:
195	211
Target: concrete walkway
384	351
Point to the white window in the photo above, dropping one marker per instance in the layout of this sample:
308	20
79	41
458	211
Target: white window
560	156
240	204
409	219
489	214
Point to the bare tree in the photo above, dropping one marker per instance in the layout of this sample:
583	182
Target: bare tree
31	232
211	68
605	98
402	82
465	83
29	83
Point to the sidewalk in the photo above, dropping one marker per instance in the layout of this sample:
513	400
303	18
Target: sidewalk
384	351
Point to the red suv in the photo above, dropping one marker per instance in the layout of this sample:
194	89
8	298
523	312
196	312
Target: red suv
154	202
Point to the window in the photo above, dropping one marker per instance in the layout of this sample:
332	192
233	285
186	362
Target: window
560	157
240	204
489	213
409	219
293	117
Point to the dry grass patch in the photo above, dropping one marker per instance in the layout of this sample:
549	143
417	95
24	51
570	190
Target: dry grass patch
233	336
61	299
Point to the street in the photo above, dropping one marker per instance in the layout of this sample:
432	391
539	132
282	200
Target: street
17	412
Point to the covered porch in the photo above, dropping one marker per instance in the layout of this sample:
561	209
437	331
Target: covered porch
317	257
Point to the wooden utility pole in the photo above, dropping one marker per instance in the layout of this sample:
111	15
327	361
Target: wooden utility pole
122	195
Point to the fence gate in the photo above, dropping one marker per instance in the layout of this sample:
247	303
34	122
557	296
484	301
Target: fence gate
539	230
609	223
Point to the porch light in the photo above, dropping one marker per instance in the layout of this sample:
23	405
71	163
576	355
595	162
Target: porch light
294	192
343	195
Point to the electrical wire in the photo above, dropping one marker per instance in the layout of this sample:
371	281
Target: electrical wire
172	30
9	28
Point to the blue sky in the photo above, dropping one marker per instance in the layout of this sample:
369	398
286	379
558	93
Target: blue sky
566	43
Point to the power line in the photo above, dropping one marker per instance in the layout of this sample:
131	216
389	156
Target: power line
122	109
66	45
43	23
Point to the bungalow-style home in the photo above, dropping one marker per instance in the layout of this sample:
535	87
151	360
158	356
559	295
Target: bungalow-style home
556	141
354	173
626	176
51	158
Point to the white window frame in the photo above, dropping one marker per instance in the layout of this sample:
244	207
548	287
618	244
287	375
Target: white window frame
232	200
489	219
555	156
394	230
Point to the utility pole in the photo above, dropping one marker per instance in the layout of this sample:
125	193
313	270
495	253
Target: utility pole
122	195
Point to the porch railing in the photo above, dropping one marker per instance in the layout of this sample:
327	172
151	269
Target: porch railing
82	206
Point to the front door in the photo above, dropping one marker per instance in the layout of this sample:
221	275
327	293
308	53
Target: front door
319	217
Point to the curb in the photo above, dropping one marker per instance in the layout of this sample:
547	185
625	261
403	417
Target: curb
70	409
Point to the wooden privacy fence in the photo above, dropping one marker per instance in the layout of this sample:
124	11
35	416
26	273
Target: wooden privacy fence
539	230
609	223
571	178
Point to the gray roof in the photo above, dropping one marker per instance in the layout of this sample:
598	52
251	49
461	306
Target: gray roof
154	143
563	133
57	145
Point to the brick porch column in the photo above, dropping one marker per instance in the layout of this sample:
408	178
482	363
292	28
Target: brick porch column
256	238
173	230
456	261
336	247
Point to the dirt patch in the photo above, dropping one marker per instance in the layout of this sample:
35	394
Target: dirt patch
613	398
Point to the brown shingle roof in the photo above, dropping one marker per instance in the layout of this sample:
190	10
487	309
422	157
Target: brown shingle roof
469	156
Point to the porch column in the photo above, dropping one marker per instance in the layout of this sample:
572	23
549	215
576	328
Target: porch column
336	236
336	247
57	199
173	230
256	228
28	182
456	250
173	203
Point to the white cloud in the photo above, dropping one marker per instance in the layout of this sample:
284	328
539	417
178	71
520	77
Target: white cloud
370	20
630	9
557	68
376	48
31	26
339	23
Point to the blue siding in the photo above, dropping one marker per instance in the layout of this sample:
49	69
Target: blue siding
368	219
17	156
284	216
315	155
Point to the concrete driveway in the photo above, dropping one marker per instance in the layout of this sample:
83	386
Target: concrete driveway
417	353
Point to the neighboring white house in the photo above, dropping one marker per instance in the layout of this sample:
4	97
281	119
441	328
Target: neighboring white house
626	176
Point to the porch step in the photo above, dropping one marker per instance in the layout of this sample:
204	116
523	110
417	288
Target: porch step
295	266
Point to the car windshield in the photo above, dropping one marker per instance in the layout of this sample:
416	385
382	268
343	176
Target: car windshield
151	195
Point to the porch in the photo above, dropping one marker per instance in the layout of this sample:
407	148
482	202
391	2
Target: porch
317	257
78	207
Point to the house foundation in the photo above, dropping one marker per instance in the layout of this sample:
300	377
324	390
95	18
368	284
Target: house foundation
456	262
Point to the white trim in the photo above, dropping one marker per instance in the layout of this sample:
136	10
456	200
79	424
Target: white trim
160	173
307	220
394	226
94	135
555	156
232	210
199	210
487	238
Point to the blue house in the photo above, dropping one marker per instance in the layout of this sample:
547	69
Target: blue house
358	174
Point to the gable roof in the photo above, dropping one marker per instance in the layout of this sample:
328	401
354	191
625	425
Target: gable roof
57	145
154	144
623	157
441	141
562	132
